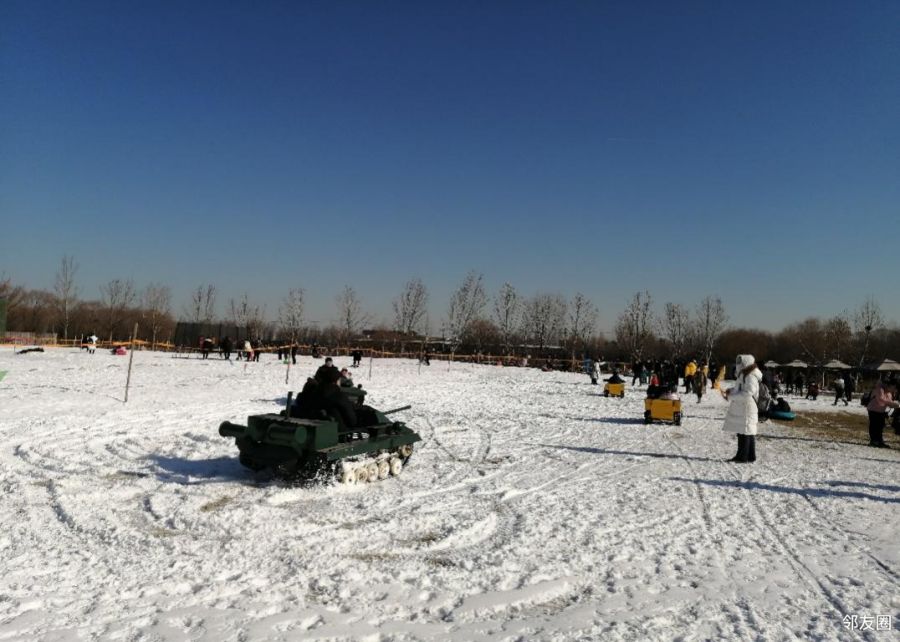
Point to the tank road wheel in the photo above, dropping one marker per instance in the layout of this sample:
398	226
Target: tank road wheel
647	417
346	475
371	471
396	466
405	450
384	469
676	418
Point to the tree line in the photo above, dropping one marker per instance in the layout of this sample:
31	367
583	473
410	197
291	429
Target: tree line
505	323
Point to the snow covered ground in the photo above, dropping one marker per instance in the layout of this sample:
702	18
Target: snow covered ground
534	509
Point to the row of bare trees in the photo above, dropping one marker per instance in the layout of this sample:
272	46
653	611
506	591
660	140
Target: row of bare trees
505	323
639	328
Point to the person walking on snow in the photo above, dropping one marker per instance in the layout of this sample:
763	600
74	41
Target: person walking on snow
849	388
699	385
689	371
883	397
743	414
839	391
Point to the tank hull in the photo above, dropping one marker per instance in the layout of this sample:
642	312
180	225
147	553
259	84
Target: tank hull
295	447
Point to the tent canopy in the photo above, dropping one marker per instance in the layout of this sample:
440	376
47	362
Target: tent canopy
834	364
888	365
796	363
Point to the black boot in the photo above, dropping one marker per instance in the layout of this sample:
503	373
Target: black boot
751	447
741	455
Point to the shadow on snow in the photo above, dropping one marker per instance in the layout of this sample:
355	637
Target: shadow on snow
627	453
804	492
177	470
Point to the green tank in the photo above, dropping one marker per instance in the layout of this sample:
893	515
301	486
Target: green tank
325	436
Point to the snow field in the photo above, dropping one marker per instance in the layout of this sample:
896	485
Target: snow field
533	509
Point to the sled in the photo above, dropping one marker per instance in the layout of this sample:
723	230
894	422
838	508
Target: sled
781	415
614	390
668	410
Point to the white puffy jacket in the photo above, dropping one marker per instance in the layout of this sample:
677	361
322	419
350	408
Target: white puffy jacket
743	415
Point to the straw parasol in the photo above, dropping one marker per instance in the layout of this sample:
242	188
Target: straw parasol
888	365
796	363
834	364
771	364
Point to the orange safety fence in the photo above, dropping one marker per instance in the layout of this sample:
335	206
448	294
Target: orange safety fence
302	349
307	349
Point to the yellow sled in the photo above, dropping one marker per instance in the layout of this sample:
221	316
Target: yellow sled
614	390
668	410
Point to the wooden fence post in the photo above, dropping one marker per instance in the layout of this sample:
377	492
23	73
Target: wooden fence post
130	361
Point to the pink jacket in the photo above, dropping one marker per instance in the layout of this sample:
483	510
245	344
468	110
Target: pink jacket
881	400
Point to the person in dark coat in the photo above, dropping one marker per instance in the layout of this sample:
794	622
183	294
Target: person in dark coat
849	387
338	406
699	385
812	390
294	354
225	345
327	372
615	378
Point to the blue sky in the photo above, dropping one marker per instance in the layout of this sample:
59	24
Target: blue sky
747	150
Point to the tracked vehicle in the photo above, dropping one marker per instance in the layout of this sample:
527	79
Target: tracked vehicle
325	434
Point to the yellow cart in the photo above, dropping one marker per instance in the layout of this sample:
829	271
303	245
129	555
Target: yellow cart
668	410
614	390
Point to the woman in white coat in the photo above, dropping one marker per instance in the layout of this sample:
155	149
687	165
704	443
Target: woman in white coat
743	414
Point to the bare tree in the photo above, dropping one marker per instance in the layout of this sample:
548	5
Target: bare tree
867	319
156	302
544	319
507	306
351	317
247	315
838	335
675	326
12	294
116	297
481	333
66	291
290	315
809	335
202	308
410	309
583	316
711	321
634	326
466	305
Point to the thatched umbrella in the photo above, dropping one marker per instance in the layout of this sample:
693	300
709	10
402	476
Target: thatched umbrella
888	365
771	364
796	363
834	364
